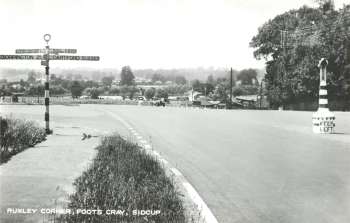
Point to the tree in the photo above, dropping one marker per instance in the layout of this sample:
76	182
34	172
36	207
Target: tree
126	76
220	93
325	5
150	93
245	90
210	79
179	79
35	91
208	88
161	93
90	84
31	77
22	83
107	81
76	89
57	90
177	89
114	90
197	85
158	77
94	93
128	91
248	77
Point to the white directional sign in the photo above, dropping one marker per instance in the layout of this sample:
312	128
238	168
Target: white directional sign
65	57
21	57
53	51
51	57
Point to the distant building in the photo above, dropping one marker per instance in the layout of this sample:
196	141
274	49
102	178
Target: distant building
169	83
110	97
251	101
158	82
193	95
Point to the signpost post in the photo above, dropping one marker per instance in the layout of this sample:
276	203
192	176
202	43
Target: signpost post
45	55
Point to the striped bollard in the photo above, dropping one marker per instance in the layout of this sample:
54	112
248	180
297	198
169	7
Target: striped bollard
323	120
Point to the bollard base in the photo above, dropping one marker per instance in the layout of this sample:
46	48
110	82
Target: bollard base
323	121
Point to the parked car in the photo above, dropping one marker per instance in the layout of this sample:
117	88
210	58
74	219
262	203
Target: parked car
158	102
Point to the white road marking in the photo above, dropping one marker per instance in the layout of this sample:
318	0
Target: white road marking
203	208
176	172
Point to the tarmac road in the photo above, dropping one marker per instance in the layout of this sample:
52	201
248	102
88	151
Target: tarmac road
248	166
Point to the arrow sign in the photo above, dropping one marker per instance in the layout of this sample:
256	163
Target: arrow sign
65	57
21	57
53	51
51	57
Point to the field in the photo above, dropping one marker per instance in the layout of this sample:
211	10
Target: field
248	166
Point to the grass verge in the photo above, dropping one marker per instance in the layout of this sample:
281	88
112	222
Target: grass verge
17	135
124	177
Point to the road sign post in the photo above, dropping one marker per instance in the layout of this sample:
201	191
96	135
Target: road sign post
47	38
45	55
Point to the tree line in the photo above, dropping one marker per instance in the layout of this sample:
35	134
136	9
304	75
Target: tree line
217	88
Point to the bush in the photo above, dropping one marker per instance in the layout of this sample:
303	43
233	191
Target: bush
123	177
18	135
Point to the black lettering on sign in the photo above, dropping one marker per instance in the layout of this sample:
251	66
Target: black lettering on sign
66	57
21	57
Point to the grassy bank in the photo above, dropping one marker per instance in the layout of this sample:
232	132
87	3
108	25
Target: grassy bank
123	177
17	135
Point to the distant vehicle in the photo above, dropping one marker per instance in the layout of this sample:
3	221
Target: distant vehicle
141	98
158	102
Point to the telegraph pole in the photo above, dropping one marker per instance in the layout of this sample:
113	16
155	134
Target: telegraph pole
260	93
231	85
284	54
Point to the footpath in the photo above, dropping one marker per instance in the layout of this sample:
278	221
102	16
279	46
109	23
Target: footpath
41	178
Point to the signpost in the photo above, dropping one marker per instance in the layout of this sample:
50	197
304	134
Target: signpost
45	56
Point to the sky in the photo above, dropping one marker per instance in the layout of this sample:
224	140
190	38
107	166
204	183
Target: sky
141	33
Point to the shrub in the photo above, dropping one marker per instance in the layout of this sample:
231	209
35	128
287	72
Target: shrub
17	135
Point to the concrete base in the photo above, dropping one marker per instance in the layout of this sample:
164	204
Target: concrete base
323	121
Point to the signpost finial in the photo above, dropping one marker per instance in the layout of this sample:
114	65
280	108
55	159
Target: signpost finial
47	38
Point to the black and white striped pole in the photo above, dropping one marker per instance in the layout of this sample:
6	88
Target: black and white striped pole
45	63
323	120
